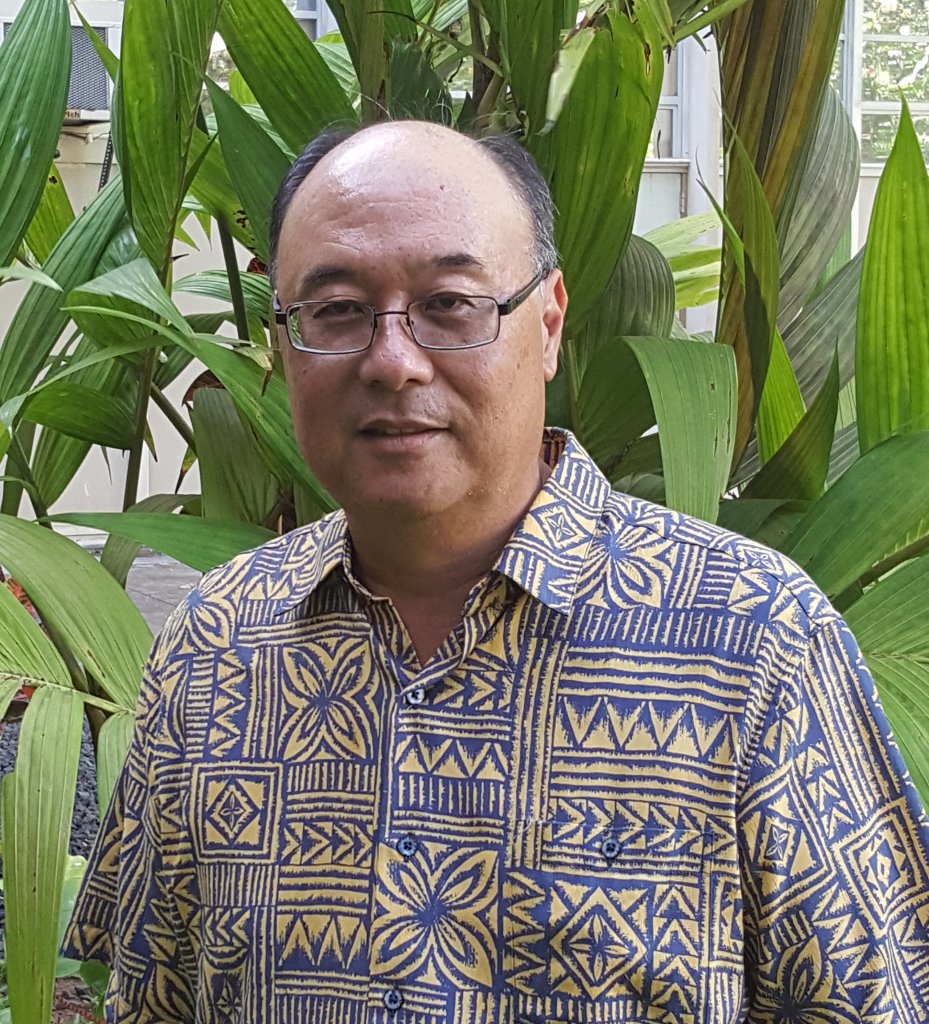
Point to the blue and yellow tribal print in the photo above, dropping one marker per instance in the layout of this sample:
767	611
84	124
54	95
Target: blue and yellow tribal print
646	779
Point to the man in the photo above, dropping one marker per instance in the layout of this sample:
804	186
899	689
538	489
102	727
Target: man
494	744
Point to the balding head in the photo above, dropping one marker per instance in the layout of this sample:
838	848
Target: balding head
496	155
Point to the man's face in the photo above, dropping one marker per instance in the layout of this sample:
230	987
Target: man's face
399	214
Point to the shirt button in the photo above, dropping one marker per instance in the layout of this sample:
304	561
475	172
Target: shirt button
393	999
416	696
407	846
610	848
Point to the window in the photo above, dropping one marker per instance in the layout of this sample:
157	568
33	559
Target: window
884	51
666	134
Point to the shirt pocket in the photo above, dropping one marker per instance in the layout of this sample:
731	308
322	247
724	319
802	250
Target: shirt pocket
604	924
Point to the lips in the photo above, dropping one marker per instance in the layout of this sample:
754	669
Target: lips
398	428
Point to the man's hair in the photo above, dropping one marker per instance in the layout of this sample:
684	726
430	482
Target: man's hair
517	164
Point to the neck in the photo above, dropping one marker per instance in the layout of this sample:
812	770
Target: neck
427	565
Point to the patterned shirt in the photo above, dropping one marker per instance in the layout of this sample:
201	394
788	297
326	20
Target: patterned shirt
647	778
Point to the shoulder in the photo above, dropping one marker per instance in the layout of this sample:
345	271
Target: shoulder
695	564
258	586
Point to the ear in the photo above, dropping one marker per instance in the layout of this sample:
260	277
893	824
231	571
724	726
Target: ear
553	314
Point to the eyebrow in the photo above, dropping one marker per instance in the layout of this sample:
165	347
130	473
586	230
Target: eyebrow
329	273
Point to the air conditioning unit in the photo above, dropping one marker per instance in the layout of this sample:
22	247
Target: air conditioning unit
90	92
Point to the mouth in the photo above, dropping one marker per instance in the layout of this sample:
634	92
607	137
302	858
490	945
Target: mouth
407	429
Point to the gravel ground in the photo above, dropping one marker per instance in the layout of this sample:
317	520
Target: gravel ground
85	820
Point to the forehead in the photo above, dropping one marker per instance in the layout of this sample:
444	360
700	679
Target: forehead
403	196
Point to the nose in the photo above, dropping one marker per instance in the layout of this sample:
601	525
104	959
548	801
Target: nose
394	360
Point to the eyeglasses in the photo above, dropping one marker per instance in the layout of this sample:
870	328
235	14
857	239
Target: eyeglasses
444	321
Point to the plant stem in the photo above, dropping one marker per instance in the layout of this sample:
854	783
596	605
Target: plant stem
481	74
131	493
19	459
174	417
235	279
897	558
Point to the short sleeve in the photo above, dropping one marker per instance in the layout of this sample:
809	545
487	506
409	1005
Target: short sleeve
126	915
834	848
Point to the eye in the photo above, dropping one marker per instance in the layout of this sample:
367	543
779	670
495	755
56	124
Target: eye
339	309
449	303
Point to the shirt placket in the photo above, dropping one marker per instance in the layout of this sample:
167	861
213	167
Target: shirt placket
395	994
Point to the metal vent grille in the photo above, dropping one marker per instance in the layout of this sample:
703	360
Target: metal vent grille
90	89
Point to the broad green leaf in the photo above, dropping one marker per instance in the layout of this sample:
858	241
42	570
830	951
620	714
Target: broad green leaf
606	121
52	217
753	517
826	327
293	83
103	629
200	543
865	514
38	797
781	408
699	16
678	237
214	284
120	552
254	161
136	283
638	300
21	273
751	284
335	53
165	46
214	190
892	366
82	412
40	319
823	207
416	91
24	649
112	746
889	623
696	277
693	390
613	406
35	69
799	467
71	883
235	482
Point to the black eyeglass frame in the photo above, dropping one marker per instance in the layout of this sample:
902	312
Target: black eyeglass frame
504	308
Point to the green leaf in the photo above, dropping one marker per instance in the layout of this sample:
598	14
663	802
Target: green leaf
416	91
214	284
781	409
335	53
38	798
165	46
200	543
103	629
71	883
693	390
52	217
892	369
35	69
800	466
213	189
823	206
82	412
293	83
863	516
889	623
677	238
606	122
750	289
111	752
120	552
234	479
40	319
826	327
24	649
255	163
137	283
21	273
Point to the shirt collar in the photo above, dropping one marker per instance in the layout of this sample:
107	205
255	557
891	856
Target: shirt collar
545	555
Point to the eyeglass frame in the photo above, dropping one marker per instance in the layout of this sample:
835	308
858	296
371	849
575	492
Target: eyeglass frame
504	308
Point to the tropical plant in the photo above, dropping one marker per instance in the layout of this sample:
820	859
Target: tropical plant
803	421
